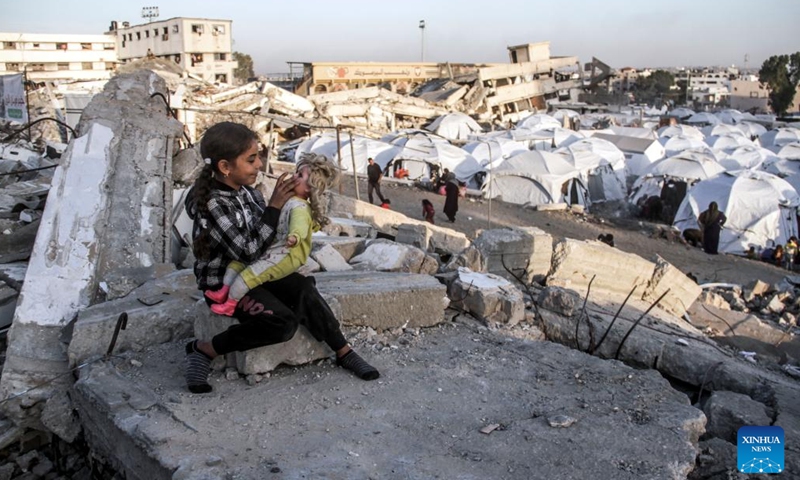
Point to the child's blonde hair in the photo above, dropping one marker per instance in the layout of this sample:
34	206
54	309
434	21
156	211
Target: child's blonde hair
321	175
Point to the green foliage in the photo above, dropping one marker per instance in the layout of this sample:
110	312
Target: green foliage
781	73
245	68
655	87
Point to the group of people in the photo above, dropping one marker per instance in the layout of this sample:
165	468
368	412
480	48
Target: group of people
785	256
248	251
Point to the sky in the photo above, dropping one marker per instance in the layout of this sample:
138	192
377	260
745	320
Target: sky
622	33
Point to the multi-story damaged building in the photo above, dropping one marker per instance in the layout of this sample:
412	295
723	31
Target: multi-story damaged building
53	57
200	46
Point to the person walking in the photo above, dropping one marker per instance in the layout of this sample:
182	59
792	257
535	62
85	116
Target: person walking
711	222
451	190
374	176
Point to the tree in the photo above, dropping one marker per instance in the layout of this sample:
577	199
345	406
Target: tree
244	71
654	87
781	74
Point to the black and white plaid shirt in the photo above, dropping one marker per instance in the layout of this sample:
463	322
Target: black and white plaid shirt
241	228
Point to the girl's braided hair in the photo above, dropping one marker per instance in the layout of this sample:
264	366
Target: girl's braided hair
322	174
223	141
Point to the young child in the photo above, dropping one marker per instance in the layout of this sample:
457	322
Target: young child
427	210
300	217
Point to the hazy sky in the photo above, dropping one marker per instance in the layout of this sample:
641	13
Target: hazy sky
635	33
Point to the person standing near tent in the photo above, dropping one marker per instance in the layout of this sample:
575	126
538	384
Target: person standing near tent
711	222
451	188
374	175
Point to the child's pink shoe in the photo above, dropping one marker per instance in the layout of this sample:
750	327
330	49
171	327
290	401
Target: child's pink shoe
218	296
226	308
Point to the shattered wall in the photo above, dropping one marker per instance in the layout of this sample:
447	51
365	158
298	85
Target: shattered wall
104	231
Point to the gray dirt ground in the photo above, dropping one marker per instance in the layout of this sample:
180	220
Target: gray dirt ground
422	419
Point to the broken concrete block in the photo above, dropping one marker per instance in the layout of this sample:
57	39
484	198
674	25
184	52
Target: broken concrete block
682	290
560	300
616	272
385	300
344	227
301	349
489	297
387	256
329	259
469	258
186	166
418	235
386	221
755	289
158	312
714	299
775	304
311	266
526	251
59	417
727	411
348	247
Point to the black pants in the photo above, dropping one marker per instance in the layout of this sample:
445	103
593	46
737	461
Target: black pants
377	187
271	312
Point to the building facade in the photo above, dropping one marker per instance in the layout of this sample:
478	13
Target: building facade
54	57
200	46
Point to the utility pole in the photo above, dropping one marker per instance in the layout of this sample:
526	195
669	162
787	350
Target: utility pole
422	34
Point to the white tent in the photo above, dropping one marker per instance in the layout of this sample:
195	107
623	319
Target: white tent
779	137
730	116
492	151
703	118
759	207
722	129
320	144
364	148
680	131
751	129
562	113
745	157
455	126
546	138
639	152
681	112
537	121
602	167
790	151
721	142
535	178
420	152
685	169
675	145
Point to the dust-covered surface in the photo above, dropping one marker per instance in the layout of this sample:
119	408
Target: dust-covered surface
423	418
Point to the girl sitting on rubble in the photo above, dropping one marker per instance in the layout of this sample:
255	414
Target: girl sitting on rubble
302	215
233	223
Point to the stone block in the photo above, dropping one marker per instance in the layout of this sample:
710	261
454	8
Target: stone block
348	247
682	290
329	259
469	258
345	227
727	411
417	235
383	300
488	297
714	299
387	221
302	348
158	312
616	272
756	289
526	251
560	300
387	256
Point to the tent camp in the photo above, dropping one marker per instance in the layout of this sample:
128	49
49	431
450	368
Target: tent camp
779	137
536	178
454	126
601	165
759	206
363	148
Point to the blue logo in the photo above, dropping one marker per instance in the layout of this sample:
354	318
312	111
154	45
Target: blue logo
760	449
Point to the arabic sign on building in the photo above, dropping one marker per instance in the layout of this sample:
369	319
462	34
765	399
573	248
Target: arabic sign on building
375	72
12	99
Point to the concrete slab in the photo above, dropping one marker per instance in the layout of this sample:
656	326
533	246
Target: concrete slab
329	259
348	247
384	300
616	272
527	252
683	291
422	418
387	256
488	297
345	227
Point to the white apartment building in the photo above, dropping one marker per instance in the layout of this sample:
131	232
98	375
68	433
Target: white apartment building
200	46
707	88
50	57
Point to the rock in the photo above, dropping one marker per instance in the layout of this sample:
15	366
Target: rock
775	304
561	421
755	289
714	299
329	259
560	300
727	411
387	256
59	417
490	298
